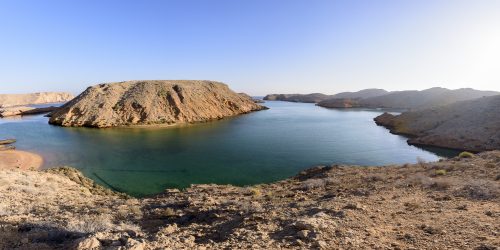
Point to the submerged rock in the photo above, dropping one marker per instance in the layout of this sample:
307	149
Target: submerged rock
159	102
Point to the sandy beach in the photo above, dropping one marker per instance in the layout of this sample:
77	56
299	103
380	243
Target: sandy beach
12	159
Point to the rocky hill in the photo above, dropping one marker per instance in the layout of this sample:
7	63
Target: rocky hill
468	125
9	100
450	204
158	102
307	98
413	99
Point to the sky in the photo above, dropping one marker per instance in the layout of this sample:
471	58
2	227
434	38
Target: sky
255	46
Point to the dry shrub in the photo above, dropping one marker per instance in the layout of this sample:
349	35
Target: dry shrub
91	224
427	182
310	184
478	190
374	178
466	155
441	184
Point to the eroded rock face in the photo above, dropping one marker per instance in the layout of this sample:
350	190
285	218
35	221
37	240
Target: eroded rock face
467	125
165	102
9	100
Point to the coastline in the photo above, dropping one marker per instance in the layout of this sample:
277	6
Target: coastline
15	159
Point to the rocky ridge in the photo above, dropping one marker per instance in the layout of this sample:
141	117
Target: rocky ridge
468	125
452	204
152	102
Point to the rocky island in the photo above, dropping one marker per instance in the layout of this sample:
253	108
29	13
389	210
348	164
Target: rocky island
468	125
154	102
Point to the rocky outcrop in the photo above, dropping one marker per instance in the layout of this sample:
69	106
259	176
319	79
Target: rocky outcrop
468	125
307	98
450	204
152	103
9	100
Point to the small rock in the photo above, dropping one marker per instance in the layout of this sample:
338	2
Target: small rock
135	245
170	229
351	206
303	234
88	243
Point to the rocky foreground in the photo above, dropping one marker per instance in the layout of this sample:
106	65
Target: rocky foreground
468	125
450	204
152	103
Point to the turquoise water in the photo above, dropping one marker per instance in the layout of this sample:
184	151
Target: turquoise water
260	147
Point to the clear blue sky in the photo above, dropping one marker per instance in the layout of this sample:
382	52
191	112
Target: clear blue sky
255	46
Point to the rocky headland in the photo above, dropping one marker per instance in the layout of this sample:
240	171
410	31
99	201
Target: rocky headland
153	102
10	100
450	204
24	110
468	125
18	104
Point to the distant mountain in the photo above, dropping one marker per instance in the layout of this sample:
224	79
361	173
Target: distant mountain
414	99
410	99
9	100
365	93
472	125
318	97
308	98
350	99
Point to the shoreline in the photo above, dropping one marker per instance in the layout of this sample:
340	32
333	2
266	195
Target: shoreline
15	159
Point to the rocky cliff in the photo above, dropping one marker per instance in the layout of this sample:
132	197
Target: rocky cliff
9	100
152	102
468	125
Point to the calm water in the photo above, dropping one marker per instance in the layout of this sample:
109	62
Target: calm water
259	147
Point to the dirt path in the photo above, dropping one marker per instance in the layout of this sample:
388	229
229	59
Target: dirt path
12	159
